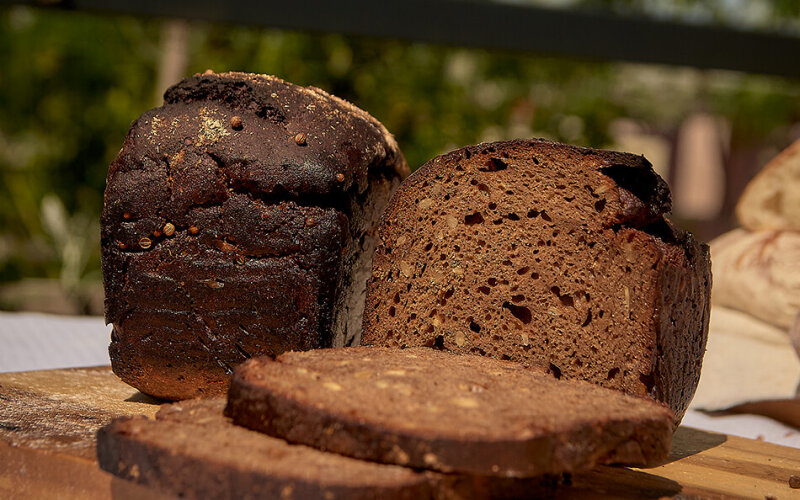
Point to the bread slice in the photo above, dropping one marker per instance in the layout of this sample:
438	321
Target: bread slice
424	408
192	451
545	254
239	221
772	199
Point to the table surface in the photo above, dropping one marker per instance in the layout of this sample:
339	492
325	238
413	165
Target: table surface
34	341
49	419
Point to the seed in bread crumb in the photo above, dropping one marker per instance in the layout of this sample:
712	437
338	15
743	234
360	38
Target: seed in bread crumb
400	240
122	245
340	177
169	229
300	139
309	221
145	243
425	203
193	230
126	215
156	233
406	268
794	482
134	472
430	459
236	122
332	386
461	339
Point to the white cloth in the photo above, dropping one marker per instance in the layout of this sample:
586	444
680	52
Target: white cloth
34	341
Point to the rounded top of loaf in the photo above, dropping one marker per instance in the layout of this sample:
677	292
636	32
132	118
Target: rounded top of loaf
266	136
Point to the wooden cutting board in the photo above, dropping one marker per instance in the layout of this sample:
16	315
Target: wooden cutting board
48	421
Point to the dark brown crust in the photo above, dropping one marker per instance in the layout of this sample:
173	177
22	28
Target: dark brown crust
239	463
220	242
609	197
428	409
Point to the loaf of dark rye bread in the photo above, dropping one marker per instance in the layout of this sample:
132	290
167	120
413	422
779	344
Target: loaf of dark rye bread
545	254
238	221
192	451
423	408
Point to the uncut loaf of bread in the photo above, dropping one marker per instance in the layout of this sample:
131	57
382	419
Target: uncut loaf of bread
238	221
545	254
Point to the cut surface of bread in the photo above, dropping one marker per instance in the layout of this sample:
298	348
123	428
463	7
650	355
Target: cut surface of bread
424	408
193	451
239	221
545	254
772	199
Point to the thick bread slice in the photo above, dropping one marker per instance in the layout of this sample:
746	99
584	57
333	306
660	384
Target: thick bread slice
428	409
549	255
772	199
192	451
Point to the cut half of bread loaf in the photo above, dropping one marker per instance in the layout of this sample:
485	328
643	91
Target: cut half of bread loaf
549	255
772	199
427	409
239	221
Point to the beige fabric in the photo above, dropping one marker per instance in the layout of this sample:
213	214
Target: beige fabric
772	199
758	273
746	360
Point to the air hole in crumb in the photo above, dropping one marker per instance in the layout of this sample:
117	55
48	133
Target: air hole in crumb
493	165
475	327
532	214
429	329
535	275
523	270
507	263
505	357
588	319
556	371
483	187
512	216
497	222
522	313
599	205
601	313
492	281
471	220
396	298
648	381
438	342
556	291
449	293
456	248
428	246
566	300
392	311
509	192
517	298
612	373
546	217
484	290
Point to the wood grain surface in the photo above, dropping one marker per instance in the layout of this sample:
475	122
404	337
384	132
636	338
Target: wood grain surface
48	420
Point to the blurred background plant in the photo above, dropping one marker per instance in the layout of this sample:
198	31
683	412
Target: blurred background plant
72	83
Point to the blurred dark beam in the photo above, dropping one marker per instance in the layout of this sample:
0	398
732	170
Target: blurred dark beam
490	25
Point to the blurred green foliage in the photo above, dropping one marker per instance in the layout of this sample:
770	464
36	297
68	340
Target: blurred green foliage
72	83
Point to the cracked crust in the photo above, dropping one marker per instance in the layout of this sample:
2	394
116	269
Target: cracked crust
423	408
545	254
224	237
